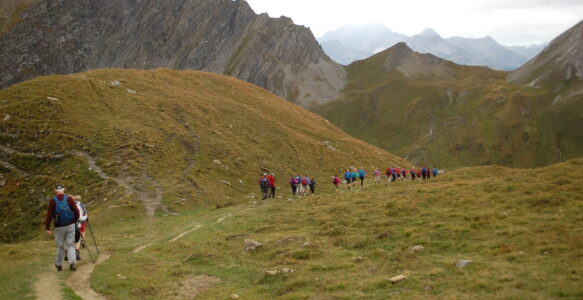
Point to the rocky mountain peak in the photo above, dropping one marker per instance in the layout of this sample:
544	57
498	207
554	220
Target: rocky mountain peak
221	36
560	61
429	33
416	65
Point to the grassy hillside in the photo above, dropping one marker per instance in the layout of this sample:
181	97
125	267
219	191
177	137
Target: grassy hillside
161	140
471	116
521	228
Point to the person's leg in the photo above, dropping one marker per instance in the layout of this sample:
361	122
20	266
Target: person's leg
70	242
77	242
59	233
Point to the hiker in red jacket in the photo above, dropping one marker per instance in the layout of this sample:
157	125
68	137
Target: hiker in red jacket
63	210
272	187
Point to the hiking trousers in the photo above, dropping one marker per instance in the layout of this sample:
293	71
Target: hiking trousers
65	240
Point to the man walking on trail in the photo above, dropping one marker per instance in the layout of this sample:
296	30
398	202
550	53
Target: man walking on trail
272	187
377	176
361	175
348	177
63	210
264	186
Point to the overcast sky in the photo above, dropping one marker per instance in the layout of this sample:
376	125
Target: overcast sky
510	22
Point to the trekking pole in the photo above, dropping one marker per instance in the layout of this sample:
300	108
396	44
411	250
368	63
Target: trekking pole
93	236
90	255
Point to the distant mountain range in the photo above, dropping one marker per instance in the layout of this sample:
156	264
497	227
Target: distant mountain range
354	42
433	111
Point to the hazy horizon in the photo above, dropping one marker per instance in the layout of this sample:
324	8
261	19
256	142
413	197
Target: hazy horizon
517	22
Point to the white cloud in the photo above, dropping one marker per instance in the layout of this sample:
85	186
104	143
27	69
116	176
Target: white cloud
508	21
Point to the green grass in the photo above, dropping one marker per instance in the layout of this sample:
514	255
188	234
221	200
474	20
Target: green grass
522	228
171	131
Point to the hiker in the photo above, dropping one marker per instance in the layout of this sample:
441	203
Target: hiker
299	188
418	174
80	226
398	171
313	184
361	175
264	186
388	173
435	172
354	176
404	172
305	183
413	173
428	173
292	183
377	176
393	174
424	173
336	181
348	177
272	187
64	211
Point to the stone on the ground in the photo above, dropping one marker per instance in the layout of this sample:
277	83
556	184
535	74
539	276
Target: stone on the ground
226	182
307	244
216	161
234	296
53	98
251	245
464	262
6	118
358	259
115	83
132	92
398	278
417	248
272	272
241	181
287	270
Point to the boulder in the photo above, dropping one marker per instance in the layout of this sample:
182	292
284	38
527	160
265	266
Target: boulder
234	296
251	245
397	279
464	262
417	248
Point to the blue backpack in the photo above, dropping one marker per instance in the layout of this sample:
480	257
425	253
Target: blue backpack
63	213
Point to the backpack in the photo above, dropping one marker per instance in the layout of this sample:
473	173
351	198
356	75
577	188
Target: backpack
63	213
264	183
304	181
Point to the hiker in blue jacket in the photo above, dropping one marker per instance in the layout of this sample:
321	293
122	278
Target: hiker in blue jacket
354	176
361	175
348	177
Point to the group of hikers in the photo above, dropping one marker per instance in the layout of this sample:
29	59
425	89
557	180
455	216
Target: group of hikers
70	217
392	174
304	185
300	185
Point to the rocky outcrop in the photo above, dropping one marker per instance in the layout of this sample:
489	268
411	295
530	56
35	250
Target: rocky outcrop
221	36
561	61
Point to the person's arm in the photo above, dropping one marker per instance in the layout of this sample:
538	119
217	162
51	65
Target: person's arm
50	215
83	213
74	207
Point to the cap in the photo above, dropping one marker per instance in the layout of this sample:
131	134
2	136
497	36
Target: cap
59	187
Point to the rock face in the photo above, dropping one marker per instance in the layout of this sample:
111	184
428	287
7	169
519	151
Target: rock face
561	61
221	36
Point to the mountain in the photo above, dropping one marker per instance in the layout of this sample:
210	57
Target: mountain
435	112
354	42
558	67
350	43
160	141
222	36
528	52
487	52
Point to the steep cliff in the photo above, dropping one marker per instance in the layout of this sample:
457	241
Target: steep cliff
221	36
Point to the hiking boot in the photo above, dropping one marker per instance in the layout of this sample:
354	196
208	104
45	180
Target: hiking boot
73	267
59	268
78	254
66	257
